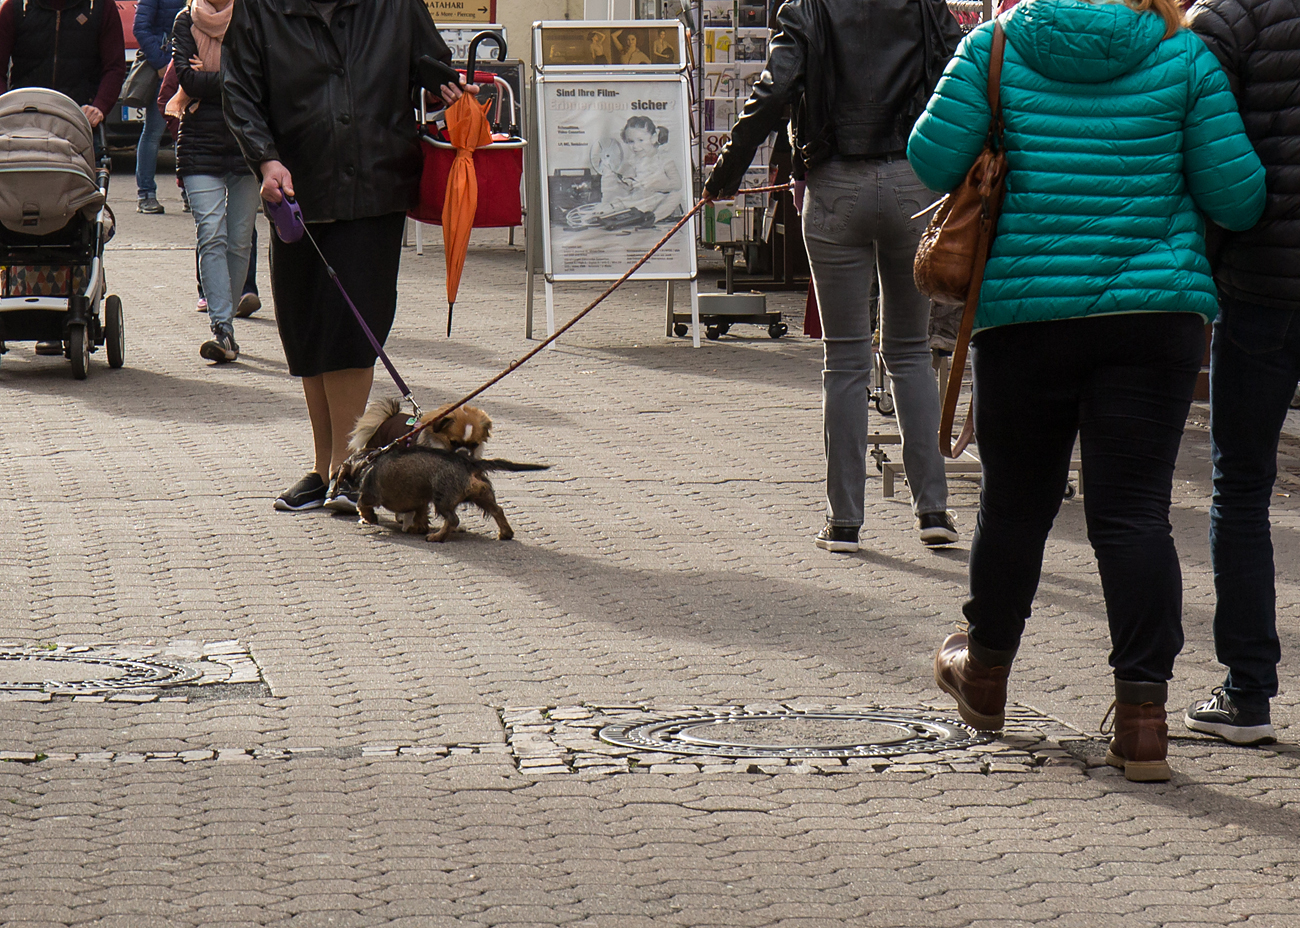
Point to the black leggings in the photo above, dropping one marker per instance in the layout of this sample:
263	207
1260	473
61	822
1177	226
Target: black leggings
1123	384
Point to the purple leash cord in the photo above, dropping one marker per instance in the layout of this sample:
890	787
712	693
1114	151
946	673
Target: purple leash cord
290	227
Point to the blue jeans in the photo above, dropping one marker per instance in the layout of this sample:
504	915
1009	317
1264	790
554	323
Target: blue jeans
1254	366
146	153
224	210
250	283
1123	385
857	226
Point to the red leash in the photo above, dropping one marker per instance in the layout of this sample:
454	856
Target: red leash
437	419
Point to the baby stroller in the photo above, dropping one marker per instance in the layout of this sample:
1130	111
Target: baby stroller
54	224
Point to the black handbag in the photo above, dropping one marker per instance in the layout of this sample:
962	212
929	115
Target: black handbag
140	89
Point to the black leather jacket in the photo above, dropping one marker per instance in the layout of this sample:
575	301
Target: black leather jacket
858	74
204	145
1258	44
332	102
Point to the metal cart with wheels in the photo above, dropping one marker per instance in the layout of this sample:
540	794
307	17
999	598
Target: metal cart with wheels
720	311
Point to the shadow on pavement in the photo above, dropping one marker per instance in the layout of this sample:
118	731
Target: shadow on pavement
136	393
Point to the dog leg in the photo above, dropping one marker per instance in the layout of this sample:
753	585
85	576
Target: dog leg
449	524
367	514
482	496
419	521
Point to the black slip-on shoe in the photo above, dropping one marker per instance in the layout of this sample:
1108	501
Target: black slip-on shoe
342	496
307	493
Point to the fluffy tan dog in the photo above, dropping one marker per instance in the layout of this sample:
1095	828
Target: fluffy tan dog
465	429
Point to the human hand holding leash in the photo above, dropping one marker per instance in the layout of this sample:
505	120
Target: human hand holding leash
277	182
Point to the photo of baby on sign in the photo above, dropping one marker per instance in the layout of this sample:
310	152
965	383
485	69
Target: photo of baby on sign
616	160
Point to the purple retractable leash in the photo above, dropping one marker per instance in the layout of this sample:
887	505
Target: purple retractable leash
286	216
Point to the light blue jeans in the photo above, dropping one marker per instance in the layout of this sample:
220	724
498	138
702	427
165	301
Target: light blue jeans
224	209
146	153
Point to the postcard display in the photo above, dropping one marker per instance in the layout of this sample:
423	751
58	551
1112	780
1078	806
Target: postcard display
612	133
731	50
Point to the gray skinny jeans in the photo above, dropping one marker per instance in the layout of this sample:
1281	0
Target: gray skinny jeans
856	221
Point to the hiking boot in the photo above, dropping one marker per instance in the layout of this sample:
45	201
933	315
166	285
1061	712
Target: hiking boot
342	496
307	493
1140	744
842	539
149	205
221	348
978	685
1234	723
249	303
937	529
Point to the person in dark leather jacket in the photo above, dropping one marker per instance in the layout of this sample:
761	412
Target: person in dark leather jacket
332	103
320	95
855	75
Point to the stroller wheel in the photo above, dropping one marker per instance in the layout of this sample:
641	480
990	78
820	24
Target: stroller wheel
79	350
114	330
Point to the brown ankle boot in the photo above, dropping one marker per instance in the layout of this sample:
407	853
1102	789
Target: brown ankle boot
1140	744
980	689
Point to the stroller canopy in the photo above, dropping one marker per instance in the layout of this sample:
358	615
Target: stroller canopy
47	159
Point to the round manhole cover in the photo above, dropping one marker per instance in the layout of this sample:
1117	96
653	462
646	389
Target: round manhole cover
796	734
87	671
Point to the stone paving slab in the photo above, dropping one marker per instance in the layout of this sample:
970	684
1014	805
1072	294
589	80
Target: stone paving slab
375	776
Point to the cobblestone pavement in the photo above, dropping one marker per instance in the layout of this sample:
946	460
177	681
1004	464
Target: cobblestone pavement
381	731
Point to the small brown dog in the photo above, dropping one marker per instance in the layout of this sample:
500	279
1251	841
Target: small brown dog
407	481
465	429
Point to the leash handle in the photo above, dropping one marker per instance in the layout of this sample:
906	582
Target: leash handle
519	362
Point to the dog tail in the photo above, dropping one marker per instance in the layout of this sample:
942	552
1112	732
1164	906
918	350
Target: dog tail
503	464
376	414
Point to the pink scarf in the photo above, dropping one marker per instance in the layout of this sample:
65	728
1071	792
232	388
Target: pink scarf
209	28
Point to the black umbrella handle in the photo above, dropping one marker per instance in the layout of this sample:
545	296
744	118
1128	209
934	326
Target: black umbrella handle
473	52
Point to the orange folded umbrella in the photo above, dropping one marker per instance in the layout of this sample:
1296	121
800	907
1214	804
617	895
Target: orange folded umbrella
467	129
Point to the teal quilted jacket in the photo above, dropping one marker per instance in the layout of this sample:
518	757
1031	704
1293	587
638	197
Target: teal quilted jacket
1116	137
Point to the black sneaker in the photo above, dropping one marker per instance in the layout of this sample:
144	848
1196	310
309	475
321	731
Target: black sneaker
149	205
937	529
1219	715
307	493
342	496
842	539
49	348
249	303
221	348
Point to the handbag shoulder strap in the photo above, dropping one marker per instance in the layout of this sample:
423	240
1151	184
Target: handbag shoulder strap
995	82
952	389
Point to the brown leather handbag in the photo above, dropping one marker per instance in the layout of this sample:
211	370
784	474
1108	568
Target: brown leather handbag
950	259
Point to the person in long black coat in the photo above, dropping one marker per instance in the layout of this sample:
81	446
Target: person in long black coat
320	98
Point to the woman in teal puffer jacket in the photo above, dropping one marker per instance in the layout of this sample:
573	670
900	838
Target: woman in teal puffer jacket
1120	132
